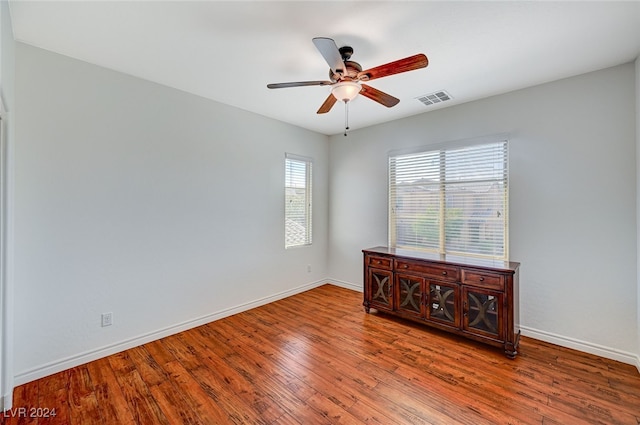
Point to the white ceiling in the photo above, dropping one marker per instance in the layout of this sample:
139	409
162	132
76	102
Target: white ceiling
229	51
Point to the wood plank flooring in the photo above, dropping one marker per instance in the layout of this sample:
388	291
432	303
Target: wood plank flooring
317	358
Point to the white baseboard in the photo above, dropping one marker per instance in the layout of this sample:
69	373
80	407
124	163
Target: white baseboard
6	402
587	347
343	284
91	355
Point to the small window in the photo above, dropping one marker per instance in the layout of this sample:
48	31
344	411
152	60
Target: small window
452	200
297	209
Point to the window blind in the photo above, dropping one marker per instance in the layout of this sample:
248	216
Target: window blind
298	223
451	200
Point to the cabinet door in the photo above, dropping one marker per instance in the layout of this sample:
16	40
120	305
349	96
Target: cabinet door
409	295
380	289
442	303
483	312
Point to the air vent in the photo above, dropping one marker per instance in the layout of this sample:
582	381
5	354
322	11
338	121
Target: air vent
433	98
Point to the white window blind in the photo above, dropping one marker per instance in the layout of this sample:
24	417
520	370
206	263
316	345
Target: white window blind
451	200
297	211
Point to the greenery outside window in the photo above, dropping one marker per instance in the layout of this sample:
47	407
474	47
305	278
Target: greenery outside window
297	210
451	200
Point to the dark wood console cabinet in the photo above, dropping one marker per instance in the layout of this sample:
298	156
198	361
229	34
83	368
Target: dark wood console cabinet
468	296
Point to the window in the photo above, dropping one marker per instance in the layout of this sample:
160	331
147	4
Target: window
297	210
452	200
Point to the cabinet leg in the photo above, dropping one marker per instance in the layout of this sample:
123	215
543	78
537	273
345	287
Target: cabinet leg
511	348
366	307
510	353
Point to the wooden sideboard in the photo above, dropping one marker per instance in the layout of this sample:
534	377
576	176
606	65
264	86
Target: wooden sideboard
471	297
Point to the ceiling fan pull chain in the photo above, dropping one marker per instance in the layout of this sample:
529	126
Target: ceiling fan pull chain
346	117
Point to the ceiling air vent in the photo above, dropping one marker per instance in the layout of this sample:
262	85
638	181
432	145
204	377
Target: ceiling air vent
433	98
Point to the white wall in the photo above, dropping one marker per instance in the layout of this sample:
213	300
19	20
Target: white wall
572	201
157	205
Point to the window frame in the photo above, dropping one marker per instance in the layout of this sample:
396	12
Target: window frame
308	202
439	148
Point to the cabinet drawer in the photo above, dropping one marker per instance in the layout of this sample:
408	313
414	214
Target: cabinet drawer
430	270
483	279
379	262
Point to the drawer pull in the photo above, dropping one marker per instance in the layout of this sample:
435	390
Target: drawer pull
405	266
444	273
481	279
378	262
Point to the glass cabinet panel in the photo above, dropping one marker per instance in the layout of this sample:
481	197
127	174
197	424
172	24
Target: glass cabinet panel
380	282
410	295
442	303
482	311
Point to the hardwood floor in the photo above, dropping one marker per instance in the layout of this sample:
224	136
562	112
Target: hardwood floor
317	358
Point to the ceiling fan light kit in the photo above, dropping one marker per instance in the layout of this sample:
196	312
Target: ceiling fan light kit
346	90
346	75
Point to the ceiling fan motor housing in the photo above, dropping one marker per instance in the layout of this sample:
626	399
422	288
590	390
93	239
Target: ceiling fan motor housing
350	72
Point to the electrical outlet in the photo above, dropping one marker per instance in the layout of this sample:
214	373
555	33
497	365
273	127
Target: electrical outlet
308	268
107	319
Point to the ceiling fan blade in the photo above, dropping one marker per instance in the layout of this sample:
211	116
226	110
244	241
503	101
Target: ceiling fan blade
298	84
379	96
328	104
329	51
403	65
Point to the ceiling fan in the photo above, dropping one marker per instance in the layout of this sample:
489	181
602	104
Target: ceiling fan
346	76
